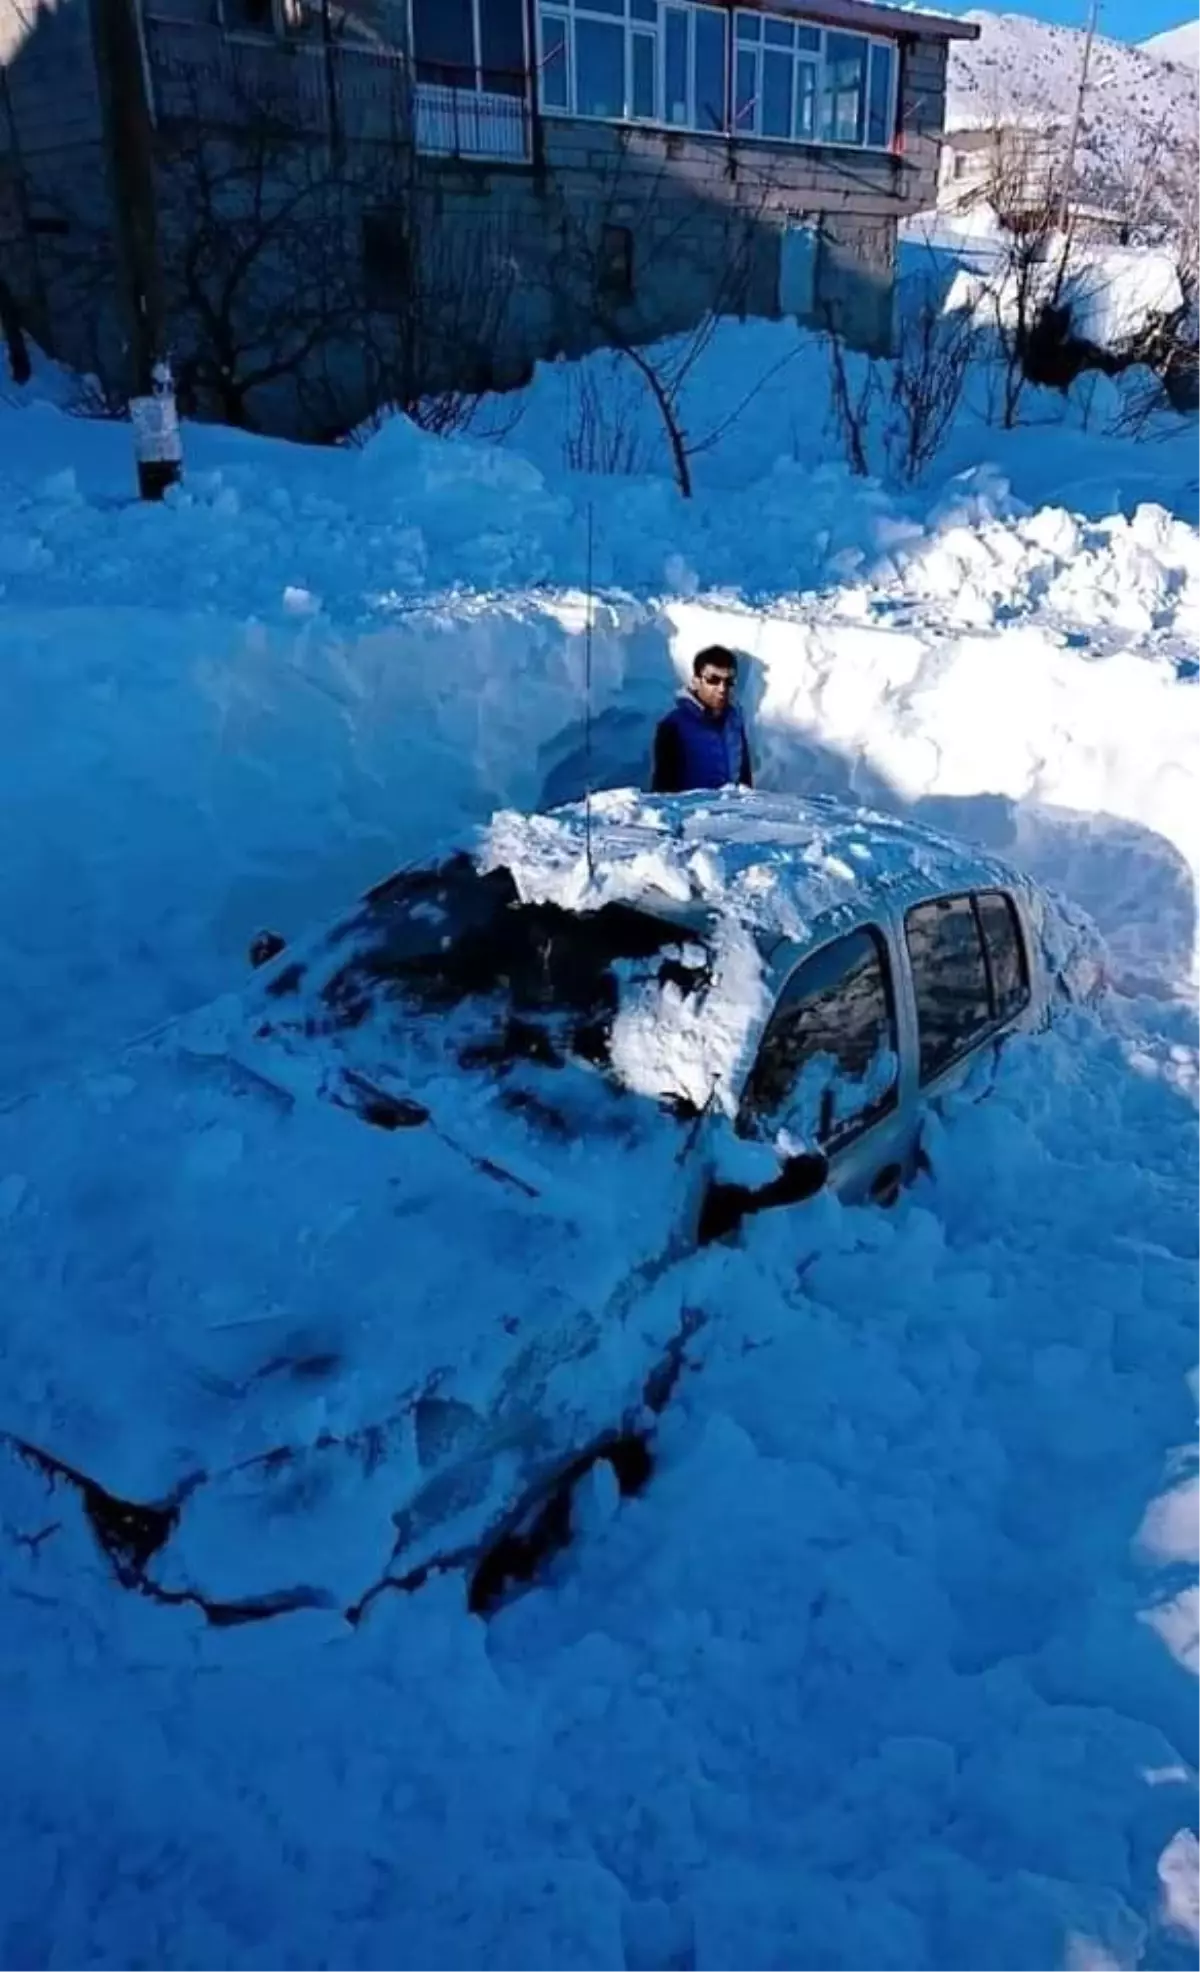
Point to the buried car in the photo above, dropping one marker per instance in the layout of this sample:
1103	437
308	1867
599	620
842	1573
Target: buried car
346	1275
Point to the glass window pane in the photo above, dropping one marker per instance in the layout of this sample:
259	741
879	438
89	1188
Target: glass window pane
808	38
444	42
844	102
645	52
607	7
749	27
879	108
779	34
553	78
675	60
745	102
950	980
502	46
644	10
776	94
709	30
828	1064
1010	984
806	99
599	68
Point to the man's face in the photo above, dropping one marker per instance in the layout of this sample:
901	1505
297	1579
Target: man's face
714	687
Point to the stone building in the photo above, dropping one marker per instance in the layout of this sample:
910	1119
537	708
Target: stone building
315	204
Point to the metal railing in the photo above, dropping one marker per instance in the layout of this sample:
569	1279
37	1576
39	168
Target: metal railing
208	74
201	72
471	123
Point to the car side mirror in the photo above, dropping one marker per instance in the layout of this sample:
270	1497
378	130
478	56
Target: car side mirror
726	1205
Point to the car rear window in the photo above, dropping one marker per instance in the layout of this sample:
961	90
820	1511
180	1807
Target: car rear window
968	973
508	981
827	1066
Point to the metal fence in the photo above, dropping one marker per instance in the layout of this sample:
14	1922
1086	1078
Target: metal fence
202	72
473	123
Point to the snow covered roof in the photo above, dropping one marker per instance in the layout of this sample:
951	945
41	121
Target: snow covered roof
776	863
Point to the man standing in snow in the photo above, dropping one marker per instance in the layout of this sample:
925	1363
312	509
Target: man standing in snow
702	741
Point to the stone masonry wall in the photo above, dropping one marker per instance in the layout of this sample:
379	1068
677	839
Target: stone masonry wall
707	218
56	232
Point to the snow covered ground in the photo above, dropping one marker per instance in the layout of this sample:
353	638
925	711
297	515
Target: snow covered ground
893	1663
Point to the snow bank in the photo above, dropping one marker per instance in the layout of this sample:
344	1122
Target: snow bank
306	664
1116	295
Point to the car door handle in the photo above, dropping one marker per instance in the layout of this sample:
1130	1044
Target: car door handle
885	1185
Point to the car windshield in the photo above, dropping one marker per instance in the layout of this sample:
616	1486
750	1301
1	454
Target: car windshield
507	981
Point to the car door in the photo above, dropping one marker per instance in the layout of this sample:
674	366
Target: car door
969	967
828	1072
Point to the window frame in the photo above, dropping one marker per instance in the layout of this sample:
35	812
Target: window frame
997	1022
478	87
567	12
887	1107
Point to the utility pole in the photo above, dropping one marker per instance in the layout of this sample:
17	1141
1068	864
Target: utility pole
1064	210
129	144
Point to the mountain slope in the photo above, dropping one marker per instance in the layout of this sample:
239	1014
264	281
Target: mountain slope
1139	120
1178	44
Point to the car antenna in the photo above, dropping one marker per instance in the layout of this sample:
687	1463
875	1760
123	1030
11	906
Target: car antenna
587	699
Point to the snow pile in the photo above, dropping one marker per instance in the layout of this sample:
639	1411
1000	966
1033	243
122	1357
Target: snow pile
860	1680
1116	295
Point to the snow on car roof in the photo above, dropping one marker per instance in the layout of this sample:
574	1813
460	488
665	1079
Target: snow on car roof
778	864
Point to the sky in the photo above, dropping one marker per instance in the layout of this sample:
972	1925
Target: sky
1124	20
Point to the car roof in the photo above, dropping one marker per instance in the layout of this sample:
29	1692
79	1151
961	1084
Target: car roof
787	867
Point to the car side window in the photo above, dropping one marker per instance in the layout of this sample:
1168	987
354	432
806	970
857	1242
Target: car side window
1005	951
968	973
828	1064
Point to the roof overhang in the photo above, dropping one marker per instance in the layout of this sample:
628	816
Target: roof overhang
872	18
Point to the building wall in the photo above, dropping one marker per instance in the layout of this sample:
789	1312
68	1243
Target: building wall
708	220
749	227
56	228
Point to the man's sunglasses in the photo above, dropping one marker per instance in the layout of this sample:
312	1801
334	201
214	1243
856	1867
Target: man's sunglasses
725	678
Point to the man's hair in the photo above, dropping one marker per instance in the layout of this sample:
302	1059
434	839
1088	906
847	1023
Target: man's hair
716	655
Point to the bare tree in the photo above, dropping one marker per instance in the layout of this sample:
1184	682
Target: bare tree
296	262
853	401
1034	256
936	349
900	409
645	217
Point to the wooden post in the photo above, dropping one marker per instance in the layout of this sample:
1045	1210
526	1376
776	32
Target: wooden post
129	147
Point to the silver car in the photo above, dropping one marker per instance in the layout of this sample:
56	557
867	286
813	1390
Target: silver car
355	1274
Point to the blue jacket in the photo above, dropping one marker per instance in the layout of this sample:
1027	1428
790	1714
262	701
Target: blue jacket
698	749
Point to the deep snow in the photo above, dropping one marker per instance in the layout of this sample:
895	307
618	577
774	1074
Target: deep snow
893	1663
